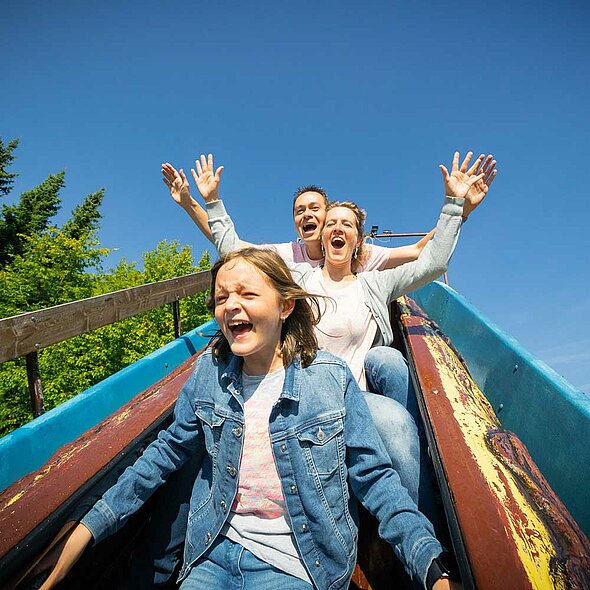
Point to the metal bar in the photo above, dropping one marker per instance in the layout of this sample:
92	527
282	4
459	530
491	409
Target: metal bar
177	320
392	235
34	381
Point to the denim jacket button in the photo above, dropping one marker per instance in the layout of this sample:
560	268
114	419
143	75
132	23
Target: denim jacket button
223	505
317	563
303	527
293	488
237	432
321	434
208	539
231	470
283	448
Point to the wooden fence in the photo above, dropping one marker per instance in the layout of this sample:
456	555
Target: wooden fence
27	333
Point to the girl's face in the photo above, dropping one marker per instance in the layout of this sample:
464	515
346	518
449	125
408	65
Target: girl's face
340	236
250	313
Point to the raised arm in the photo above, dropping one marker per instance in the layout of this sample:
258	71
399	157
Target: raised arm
222	230
435	256
179	190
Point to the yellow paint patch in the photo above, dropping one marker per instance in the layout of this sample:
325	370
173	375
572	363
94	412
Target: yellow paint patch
476	418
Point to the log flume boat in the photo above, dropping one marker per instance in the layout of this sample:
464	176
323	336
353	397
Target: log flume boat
508	437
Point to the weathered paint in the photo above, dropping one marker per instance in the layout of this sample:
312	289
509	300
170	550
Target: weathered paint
516	531
548	414
32	499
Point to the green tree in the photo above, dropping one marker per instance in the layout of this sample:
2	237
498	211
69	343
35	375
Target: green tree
74	365
6	158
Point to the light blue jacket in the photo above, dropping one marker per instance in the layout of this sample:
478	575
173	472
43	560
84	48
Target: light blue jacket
380	287
326	450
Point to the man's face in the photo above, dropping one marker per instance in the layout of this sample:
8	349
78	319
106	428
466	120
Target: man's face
309	214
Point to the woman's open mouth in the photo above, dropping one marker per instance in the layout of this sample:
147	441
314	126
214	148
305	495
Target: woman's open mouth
337	243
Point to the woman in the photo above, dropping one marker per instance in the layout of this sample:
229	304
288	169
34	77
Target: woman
287	438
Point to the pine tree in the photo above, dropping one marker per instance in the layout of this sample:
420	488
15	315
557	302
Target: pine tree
6	158
85	217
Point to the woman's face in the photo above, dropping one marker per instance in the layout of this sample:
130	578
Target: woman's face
250	313
340	236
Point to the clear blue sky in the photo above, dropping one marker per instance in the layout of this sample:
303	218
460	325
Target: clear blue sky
364	99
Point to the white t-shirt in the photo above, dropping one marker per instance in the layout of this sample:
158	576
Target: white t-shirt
377	259
347	328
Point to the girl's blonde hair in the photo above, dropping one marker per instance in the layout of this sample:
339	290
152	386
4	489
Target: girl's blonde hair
297	334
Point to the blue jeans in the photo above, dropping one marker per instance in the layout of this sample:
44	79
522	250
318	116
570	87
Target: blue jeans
229	566
387	374
399	435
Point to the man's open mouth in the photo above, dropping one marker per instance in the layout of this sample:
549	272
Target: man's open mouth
238	328
307	227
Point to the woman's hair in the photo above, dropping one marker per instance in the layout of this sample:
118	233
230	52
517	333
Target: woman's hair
360	215
297	334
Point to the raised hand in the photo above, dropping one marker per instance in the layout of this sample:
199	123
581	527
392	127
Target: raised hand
177	185
461	179
477	192
207	180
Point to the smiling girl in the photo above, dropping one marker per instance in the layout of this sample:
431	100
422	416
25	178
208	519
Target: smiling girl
287	439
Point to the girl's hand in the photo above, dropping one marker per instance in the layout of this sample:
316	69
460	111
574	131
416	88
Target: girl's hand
63	554
460	180
207	180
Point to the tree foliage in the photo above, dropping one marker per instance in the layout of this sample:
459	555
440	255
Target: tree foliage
42	266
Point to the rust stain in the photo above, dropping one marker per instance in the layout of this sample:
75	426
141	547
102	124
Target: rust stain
29	501
511	520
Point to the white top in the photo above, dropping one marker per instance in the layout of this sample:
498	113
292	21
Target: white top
347	327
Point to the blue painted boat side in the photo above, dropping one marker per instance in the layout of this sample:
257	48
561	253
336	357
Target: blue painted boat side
549	415
30	446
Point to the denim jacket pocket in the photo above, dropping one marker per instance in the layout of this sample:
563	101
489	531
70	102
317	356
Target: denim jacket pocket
212	426
323	445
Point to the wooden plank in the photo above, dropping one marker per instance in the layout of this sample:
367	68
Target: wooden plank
31	500
34	381
29	332
516	531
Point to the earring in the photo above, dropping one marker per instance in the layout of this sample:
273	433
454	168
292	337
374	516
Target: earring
356	252
323	249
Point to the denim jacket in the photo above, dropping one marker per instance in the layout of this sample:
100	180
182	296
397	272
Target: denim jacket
326	450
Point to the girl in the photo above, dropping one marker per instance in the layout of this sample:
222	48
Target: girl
288	439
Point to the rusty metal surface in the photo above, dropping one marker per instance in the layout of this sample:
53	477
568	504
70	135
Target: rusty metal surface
29	501
516	531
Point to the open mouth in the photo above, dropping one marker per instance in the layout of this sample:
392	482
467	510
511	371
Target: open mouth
239	328
337	242
309	227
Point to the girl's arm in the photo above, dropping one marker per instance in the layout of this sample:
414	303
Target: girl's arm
135	486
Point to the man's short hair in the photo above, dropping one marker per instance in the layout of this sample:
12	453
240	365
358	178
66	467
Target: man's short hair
311	188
